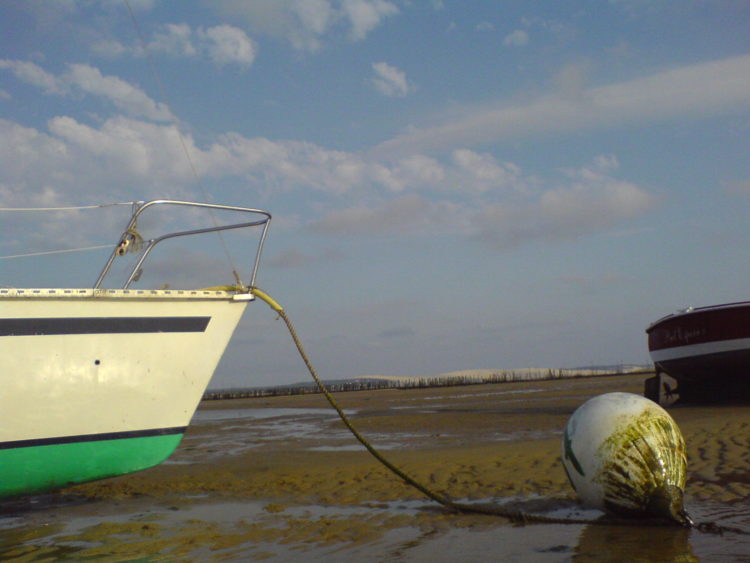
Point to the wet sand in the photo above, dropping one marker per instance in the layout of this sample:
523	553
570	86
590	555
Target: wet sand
283	479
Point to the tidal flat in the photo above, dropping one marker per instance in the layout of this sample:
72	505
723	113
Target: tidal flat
283	479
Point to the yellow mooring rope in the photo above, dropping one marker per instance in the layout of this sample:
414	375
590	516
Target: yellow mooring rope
515	516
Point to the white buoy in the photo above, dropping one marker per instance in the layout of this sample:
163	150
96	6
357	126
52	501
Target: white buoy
625	455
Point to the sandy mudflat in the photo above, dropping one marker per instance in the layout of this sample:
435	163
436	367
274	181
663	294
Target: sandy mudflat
283	479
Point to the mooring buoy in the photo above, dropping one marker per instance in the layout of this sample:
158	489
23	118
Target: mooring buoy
625	455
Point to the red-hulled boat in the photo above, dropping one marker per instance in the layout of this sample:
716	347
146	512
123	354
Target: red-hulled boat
706	350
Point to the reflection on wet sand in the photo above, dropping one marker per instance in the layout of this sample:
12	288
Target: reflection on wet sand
642	545
281	478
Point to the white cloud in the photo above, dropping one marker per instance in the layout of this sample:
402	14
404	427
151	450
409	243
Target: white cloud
486	173
121	159
137	5
306	23
222	44
588	200
226	44
390	81
417	171
174	39
111	48
469	193
366	15
289	164
151	154
122	94
593	201
517	38
28	158
694	91
88	79
33	74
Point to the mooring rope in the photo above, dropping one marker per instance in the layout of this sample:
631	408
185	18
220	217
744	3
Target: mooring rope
516	516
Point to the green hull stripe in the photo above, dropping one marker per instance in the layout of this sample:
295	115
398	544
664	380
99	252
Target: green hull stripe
42	468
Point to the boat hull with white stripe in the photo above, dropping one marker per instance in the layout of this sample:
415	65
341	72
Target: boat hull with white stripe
101	382
706	350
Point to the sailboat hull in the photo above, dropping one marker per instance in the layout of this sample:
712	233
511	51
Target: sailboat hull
97	383
706	351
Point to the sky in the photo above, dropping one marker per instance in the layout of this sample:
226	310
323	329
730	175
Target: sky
454	185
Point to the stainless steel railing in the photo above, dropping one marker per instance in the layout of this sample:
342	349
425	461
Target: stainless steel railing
131	241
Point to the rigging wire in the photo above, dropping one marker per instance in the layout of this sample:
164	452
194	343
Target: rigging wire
62	251
66	208
61	208
176	124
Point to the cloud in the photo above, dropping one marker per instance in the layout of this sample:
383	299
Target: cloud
28	161
74	163
222	44
587	200
468	193
306	23
695	91
405	214
137	5
226	44
33	74
391	81
517	38
111	48
591	201
174	39
125	144
89	80
365	15
485	172
414	171
123	95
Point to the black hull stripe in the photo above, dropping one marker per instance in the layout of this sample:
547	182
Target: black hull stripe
92	437
101	325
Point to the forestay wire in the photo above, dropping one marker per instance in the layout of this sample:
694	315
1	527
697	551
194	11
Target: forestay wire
176	124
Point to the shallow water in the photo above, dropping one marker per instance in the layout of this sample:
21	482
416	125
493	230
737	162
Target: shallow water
67	528
167	524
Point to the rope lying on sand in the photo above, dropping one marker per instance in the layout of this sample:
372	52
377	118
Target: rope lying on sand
515	516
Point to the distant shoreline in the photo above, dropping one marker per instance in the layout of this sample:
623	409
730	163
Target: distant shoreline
452	379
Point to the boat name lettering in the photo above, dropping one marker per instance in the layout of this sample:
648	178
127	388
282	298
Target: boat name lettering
681	335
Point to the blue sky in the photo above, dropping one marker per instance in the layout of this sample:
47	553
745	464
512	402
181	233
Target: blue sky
455	185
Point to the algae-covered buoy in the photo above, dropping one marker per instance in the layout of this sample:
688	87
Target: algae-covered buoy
625	455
